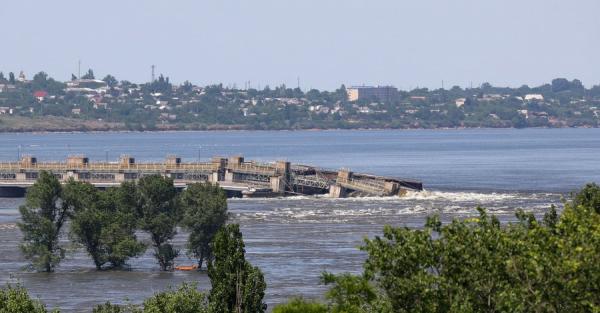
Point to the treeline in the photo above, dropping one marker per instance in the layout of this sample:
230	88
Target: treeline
105	222
550	264
162	105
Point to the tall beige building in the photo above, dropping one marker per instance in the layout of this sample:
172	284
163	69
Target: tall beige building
380	93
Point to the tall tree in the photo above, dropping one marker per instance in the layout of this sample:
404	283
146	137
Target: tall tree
158	211
89	75
11	78
104	222
110	80
205	212
2	78
237	286
42	218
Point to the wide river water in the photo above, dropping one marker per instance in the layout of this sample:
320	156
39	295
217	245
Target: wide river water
294	239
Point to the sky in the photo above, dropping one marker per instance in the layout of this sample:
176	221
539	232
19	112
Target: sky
320	43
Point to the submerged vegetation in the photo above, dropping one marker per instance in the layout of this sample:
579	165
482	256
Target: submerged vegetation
548	264
105	222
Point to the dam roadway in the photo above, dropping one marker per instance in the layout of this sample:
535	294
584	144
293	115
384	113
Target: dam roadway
234	174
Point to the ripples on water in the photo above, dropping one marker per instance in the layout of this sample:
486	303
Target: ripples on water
291	239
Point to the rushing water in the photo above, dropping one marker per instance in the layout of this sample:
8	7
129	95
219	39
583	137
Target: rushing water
294	239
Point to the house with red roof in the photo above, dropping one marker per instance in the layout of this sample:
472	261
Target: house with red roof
40	95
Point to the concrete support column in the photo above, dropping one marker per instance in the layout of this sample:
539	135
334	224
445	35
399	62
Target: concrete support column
345	175
228	176
278	184
119	177
391	188
20	177
337	191
213	177
70	174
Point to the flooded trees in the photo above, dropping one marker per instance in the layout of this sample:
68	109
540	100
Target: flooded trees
158	211
237	286
205	212
104	222
42	219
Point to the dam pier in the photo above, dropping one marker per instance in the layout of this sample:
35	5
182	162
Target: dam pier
240	178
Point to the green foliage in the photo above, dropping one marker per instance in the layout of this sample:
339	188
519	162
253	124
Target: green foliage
113	308
205	212
104	222
158	210
477	265
186	299
299	305
42	218
237	286
353	294
110	80
17	300
89	75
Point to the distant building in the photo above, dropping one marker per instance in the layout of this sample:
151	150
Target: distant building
87	86
22	77
40	95
534	97
381	93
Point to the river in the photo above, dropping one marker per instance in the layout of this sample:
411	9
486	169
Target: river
294	239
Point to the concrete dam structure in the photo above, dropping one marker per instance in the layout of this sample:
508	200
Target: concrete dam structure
240	178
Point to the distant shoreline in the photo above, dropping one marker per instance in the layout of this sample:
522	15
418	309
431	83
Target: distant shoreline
117	130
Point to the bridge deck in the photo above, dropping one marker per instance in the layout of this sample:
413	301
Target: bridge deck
233	174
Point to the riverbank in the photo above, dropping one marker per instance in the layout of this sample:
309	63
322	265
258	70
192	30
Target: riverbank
56	124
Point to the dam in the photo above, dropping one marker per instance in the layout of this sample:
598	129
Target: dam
239	177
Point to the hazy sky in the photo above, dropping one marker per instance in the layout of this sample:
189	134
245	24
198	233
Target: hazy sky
325	43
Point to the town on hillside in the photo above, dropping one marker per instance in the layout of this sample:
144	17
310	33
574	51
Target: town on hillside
88	103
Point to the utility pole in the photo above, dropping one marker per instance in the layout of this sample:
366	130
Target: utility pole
153	77
298	82
79	69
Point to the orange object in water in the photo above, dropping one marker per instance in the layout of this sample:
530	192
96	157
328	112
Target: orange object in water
187	267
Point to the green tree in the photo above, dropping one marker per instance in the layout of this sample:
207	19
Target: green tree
110	80
237	286
205	212
114	308
42	218
354	294
17	300
89	75
299	305
479	265
158	211
11	78
104	222
186	299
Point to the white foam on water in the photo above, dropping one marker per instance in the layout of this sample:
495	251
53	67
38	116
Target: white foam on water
461	196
